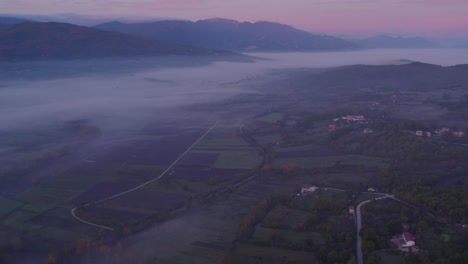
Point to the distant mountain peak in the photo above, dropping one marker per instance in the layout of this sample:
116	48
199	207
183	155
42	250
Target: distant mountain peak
220	20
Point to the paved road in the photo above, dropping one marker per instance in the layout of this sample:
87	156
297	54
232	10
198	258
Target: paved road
73	211
359	226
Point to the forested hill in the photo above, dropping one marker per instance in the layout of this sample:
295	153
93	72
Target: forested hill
61	40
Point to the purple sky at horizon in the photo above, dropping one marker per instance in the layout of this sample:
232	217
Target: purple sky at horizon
435	18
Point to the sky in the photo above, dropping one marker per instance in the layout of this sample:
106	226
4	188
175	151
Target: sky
435	18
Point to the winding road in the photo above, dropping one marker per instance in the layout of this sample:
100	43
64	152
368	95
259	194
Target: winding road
73	211
359	218
359	226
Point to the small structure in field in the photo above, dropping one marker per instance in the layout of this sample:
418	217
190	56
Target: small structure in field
351	210
367	131
371	189
459	134
307	189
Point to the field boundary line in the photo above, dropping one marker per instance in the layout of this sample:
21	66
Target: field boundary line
141	185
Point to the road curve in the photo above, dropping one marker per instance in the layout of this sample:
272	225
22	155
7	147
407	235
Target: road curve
359	226
73	211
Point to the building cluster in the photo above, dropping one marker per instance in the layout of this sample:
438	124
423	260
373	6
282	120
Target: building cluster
440	132
345	121
353	118
406	243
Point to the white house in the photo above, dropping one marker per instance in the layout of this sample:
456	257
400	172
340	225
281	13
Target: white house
307	189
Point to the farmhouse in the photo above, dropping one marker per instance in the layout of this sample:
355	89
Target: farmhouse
459	134
307	189
354	118
406	243
370	189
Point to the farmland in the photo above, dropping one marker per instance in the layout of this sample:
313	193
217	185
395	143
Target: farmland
219	159
221	184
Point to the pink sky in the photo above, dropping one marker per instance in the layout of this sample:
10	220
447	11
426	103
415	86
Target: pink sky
423	17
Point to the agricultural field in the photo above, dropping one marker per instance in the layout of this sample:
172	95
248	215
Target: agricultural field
300	226
44	209
213	227
218	159
271	118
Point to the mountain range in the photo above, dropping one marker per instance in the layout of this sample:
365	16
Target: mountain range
232	35
23	39
60	40
12	20
393	42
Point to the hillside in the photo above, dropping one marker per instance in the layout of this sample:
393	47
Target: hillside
417	77
390	42
12	20
232	35
60	40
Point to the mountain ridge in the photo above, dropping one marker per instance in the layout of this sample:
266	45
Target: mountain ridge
30	40
232	35
387	41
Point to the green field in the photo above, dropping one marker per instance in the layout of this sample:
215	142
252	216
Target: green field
330	161
237	160
262	235
271	118
8	205
248	253
19	219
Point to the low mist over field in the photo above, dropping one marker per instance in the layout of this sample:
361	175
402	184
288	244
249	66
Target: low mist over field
121	96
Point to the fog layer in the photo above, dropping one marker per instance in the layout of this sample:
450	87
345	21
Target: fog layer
129	96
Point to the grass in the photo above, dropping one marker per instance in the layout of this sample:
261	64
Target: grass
222	142
330	161
263	234
271	118
386	258
339	178
273	139
248	253
287	217
18	219
8	205
38	195
39	207
144	137
59	234
237	160
72	182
